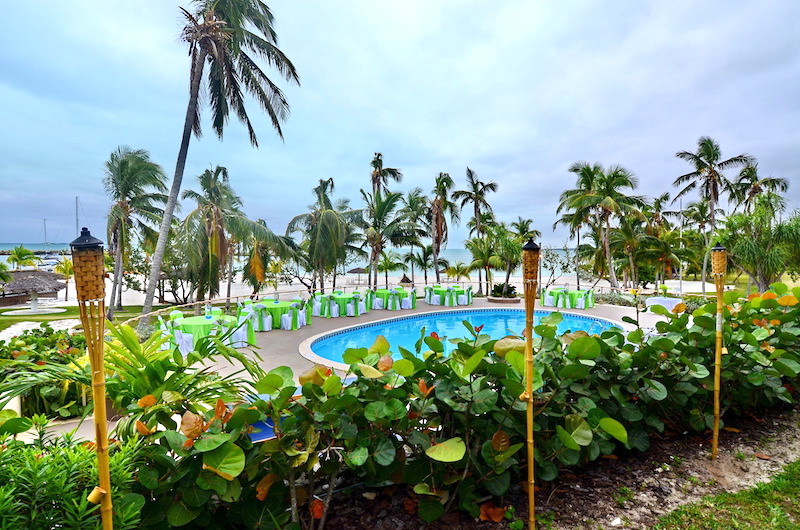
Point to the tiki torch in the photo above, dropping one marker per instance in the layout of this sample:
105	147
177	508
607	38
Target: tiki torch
530	275
87	258
719	261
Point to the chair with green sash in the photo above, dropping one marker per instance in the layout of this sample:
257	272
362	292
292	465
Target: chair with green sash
262	320
450	299
291	321
393	302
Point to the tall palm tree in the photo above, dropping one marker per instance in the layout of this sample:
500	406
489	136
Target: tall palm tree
750	185
483	257
322	229
22	257
136	187
508	249
227	36
424	260
523	229
381	175
607	199
458	271
707	176
656	216
476	193
483	221
416	209
65	268
441	207
587	177
383	224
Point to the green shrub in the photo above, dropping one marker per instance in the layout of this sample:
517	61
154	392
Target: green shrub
40	347
502	290
45	483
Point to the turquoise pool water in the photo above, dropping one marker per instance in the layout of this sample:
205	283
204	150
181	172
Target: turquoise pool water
405	331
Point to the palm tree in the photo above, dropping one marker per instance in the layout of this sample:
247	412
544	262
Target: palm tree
424	260
484	220
606	199
389	262
483	257
383	224
324	228
22	257
227	36
458	271
708	177
415	209
523	228
136	187
441	208
65	268
5	277
750	185
508	249
656	216
587	177
381	175
629	238
476	193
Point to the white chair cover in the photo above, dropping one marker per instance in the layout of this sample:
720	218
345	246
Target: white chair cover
183	341
405	302
316	306
239	337
377	303
334	307
548	299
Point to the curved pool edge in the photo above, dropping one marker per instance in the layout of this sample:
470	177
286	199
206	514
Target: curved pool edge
307	353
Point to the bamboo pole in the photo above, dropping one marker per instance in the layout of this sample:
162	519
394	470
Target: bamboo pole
87	257
530	273
719	259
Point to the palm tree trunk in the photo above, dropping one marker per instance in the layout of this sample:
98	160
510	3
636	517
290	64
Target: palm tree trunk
230	281
66	291
117	284
480	283
634	276
196	76
612	277
577	260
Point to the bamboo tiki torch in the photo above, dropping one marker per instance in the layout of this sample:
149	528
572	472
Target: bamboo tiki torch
87	258
719	261
530	275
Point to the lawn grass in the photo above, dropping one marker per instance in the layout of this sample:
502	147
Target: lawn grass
770	505
71	312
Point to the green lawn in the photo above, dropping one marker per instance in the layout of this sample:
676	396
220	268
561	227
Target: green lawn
71	312
772	505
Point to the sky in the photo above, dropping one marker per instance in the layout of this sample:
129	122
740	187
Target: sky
517	90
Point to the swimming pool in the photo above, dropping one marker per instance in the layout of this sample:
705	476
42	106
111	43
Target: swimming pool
405	331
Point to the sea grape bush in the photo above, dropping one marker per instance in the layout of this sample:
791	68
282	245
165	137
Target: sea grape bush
452	429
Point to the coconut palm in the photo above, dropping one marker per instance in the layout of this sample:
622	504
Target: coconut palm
508	249
606	199
415	208
324	229
523	228
22	257
750	185
458	271
483	257
136	187
424	260
5	277
628	239
389	262
383	223
476	193
65	268
708	177
441	207
381	175
225	39
485	219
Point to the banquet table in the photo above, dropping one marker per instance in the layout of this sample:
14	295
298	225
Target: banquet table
442	292
276	308
200	326
383	294
669	303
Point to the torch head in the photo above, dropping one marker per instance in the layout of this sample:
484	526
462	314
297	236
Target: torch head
87	261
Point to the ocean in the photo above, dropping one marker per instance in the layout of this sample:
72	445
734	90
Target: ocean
453	255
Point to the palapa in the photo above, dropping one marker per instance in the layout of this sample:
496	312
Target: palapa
34	282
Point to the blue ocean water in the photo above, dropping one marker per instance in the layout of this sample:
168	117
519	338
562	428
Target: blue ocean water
50	248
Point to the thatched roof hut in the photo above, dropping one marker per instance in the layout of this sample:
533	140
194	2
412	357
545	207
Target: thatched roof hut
33	281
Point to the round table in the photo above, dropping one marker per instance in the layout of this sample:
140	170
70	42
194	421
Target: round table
199	327
383	294
276	308
669	303
442	292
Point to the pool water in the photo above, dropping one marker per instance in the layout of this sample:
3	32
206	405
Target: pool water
405	331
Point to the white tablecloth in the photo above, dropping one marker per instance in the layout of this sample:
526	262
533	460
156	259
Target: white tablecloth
669	303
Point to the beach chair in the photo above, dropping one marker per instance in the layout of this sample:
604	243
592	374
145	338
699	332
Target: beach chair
290	321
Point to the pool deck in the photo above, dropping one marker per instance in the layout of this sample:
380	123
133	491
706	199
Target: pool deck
283	348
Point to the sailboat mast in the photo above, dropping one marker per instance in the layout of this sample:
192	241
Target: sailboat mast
77	230
46	247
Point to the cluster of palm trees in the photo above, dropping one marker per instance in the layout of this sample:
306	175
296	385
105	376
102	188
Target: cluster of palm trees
638	238
333	233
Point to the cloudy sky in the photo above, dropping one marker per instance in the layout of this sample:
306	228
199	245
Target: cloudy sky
517	90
